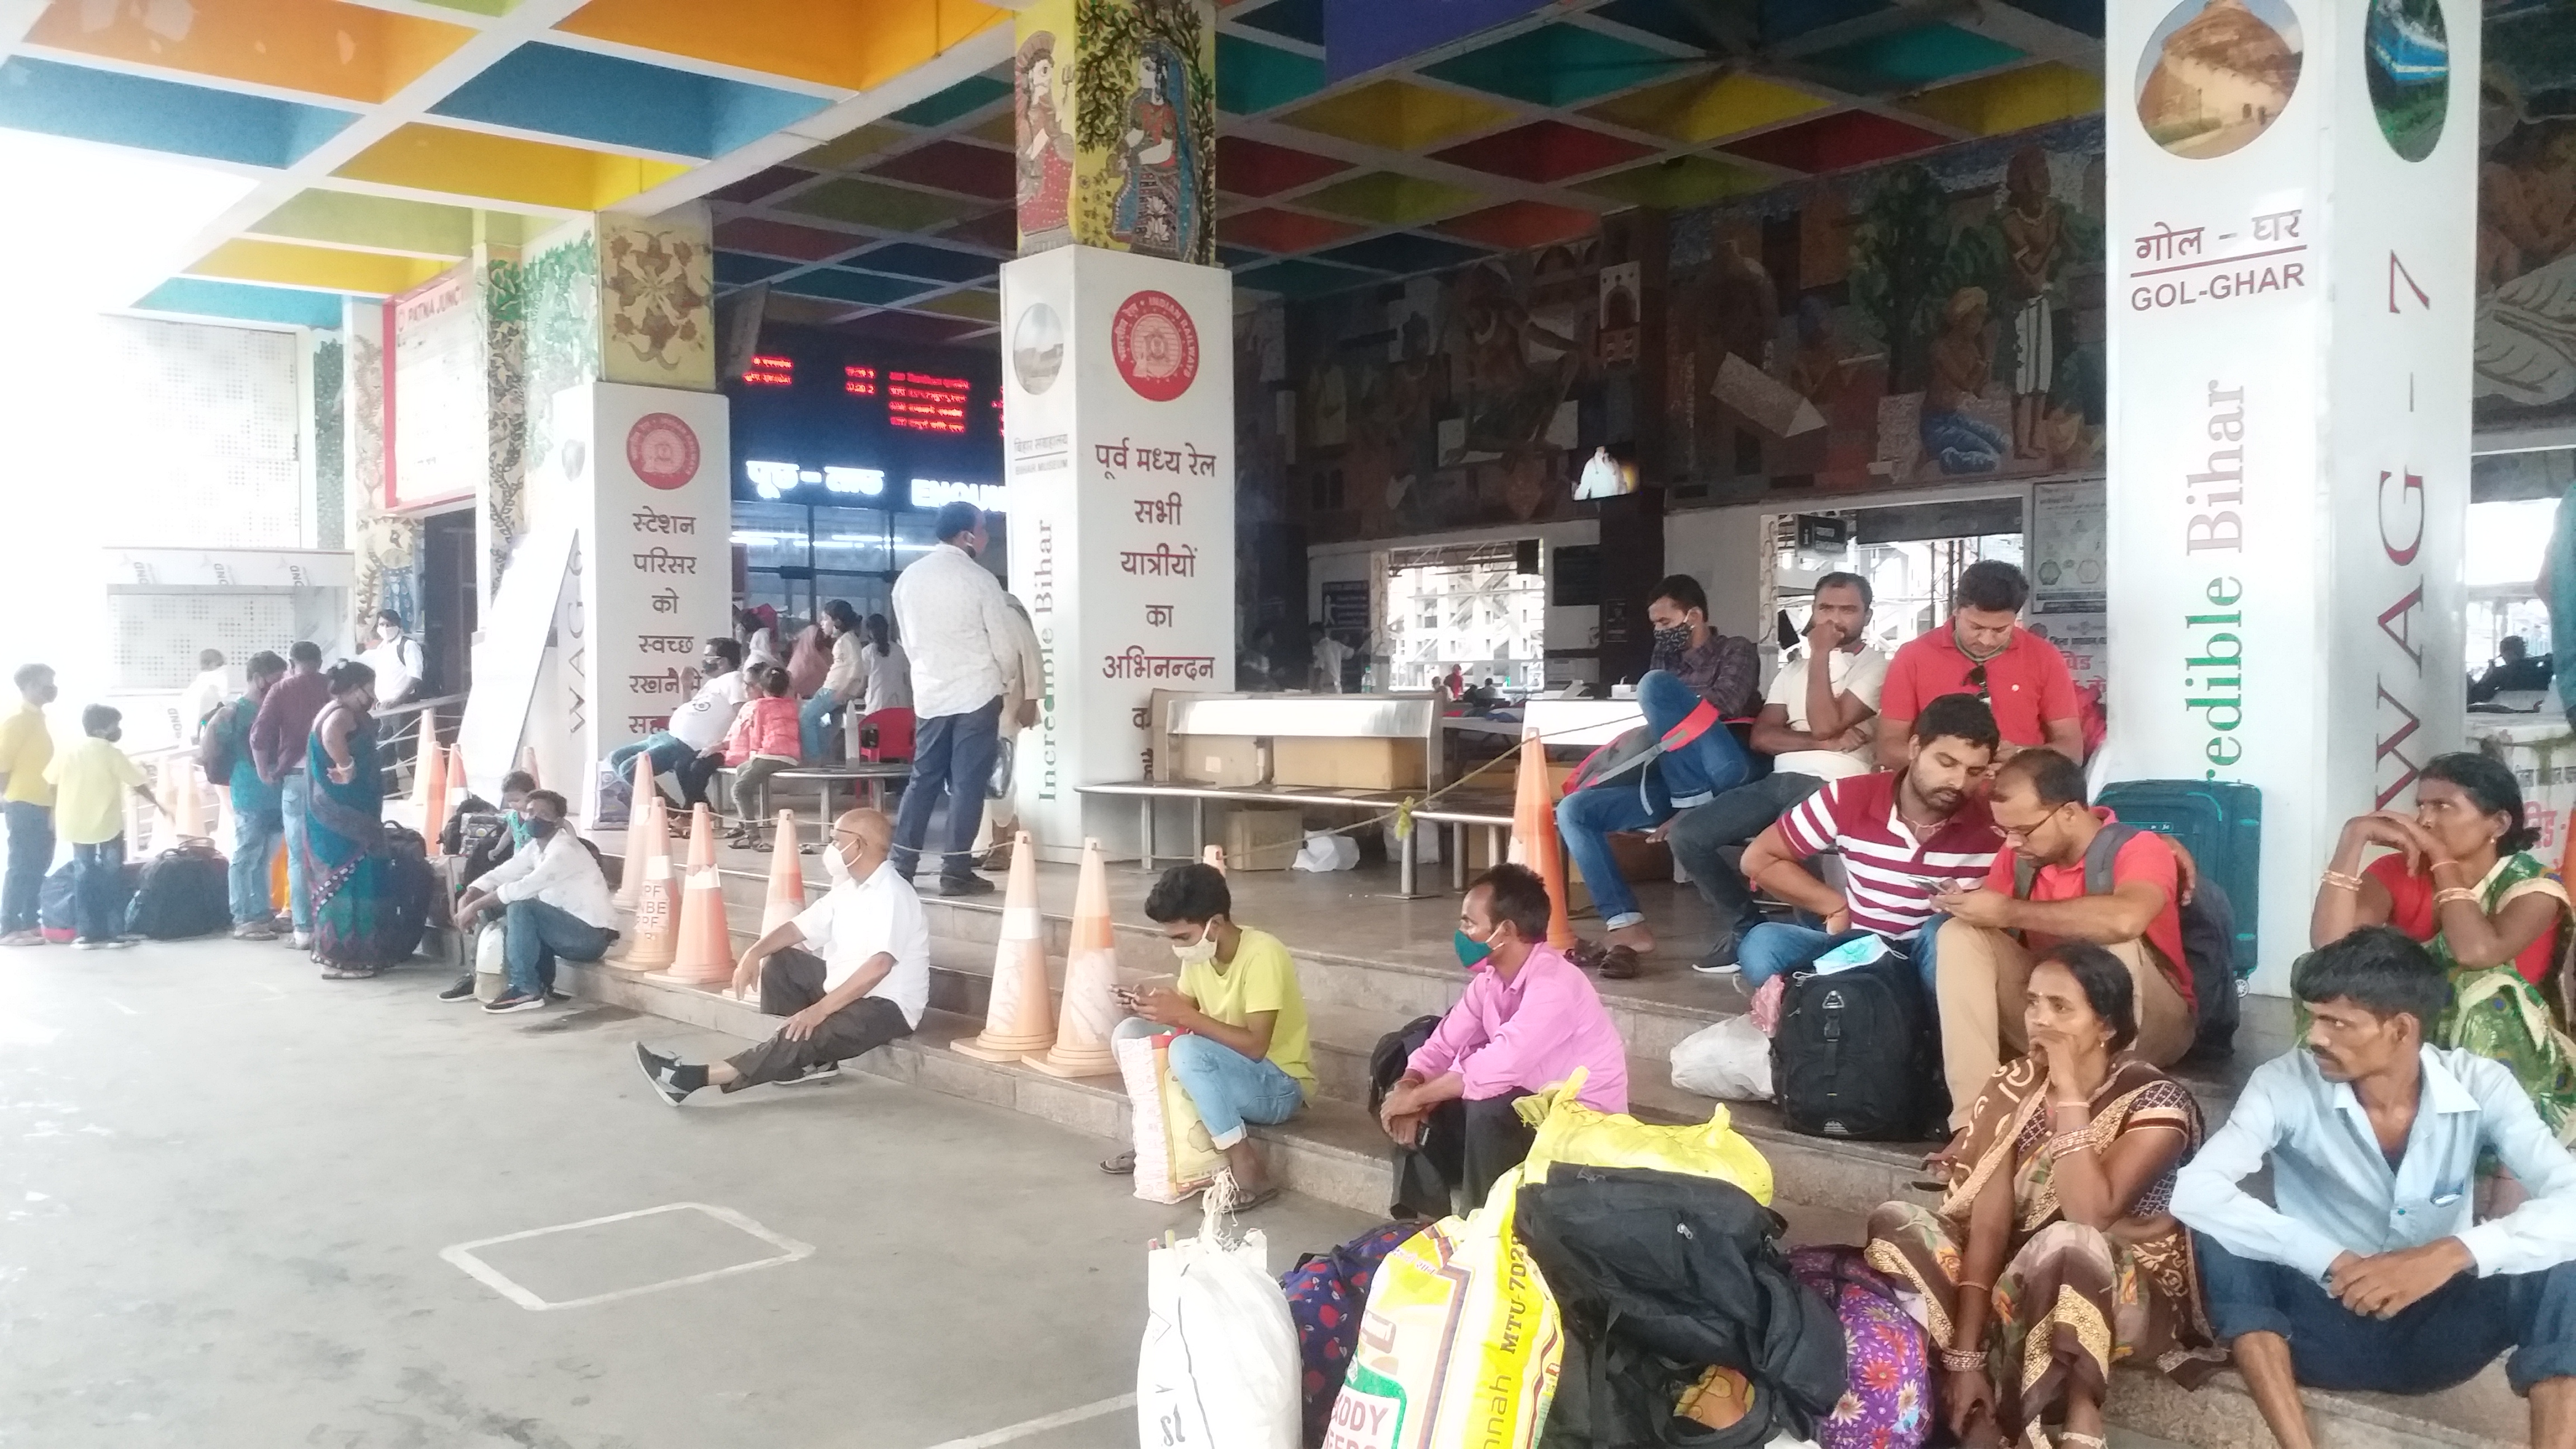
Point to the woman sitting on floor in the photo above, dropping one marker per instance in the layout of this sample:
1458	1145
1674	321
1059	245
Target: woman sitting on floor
2052	1256
2463	882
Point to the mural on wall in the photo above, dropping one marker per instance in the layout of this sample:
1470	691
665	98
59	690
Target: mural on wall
1116	126
1930	321
657	286
386	546
2526	266
559	292
330	442
501	284
1443	402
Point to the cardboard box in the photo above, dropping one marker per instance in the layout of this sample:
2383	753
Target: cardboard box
1259	837
1220	759
1343	764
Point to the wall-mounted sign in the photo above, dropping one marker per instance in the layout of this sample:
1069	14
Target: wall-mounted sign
938	493
436	393
772	479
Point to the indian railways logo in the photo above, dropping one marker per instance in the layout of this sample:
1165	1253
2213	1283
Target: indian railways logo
1155	346
662	451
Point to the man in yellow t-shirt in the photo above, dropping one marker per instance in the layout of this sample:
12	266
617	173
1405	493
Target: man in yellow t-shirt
1245	1056
26	748
90	780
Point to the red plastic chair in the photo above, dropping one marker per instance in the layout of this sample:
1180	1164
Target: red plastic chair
886	735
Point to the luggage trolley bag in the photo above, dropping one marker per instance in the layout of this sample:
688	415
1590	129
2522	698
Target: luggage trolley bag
2221	823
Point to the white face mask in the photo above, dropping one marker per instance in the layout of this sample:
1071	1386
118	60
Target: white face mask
833	864
1199	952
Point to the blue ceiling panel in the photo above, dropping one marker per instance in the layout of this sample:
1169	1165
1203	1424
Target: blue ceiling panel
159	115
611	101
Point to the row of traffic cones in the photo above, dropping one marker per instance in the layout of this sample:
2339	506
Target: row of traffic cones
680	923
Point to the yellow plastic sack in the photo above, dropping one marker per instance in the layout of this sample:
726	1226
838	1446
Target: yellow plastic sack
1568	1131
1175	1156
1460	1345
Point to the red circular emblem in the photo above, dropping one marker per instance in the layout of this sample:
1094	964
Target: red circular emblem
662	450
1155	346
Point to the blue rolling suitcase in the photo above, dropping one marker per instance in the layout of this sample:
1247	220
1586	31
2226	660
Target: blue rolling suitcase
2221	823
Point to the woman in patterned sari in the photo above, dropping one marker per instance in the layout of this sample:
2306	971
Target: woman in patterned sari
2052	1256
347	860
2463	882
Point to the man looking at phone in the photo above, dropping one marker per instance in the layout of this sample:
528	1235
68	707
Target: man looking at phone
1242	1054
1815	724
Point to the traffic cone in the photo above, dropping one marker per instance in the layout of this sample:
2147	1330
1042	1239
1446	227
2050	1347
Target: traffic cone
434	818
1016	1023
786	877
1090	968
1214	855
657	897
528	762
705	953
642	820
1534	839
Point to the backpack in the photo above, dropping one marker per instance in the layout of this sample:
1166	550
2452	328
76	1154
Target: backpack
410	888
1889	1404
57	909
1326	1292
2208	937
186	891
1832	1067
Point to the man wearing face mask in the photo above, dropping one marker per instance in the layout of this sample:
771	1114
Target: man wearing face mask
395	658
554	903
868	985
90	780
965	652
1529	1018
1243	1055
1700	680
1982	651
689	749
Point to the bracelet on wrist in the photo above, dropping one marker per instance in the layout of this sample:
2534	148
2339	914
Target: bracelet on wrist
1963	1361
2449	894
2337	880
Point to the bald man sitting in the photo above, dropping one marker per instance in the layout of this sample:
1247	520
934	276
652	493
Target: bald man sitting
867	986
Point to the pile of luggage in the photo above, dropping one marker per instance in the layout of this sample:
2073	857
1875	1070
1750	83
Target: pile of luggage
1626	1286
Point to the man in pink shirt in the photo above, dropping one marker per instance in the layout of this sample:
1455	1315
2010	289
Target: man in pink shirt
1529	1018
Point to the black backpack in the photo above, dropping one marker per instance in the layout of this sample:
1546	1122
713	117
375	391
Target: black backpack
185	892
1855	1055
2208	937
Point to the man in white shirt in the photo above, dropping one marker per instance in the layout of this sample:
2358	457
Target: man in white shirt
2372	1272
554	904
204	695
819	718
868	986
950	611
395	658
1330	655
691	746
1815	726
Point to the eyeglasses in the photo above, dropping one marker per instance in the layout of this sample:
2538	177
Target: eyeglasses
1977	677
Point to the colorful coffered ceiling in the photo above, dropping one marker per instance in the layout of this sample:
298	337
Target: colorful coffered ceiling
856	154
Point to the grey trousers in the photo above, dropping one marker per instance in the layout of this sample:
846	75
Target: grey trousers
791	981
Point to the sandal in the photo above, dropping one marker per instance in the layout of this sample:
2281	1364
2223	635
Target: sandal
1619	963
348	973
1122	1165
1262	1198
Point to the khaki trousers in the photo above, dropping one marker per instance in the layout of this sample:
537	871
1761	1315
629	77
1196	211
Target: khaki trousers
1980	977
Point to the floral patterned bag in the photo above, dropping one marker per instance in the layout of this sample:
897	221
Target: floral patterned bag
1889	1403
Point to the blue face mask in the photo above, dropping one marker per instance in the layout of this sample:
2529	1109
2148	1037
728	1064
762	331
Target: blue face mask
1471	952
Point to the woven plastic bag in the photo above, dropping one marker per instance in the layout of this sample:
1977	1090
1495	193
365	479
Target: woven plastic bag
1174	1154
1218	1368
1568	1131
1460	1345
1730	1061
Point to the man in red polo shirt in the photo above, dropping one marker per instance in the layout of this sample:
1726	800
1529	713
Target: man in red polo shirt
1982	651
1986	948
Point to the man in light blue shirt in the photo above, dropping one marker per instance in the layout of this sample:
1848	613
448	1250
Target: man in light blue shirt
2372	1274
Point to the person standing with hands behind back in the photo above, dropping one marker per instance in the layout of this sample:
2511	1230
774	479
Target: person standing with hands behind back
90	780
949	609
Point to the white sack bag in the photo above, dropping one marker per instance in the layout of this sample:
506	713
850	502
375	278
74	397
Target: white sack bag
1218	1368
1730	1061
1324	851
491	962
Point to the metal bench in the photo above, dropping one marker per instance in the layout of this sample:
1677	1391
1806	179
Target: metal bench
870	778
1585	724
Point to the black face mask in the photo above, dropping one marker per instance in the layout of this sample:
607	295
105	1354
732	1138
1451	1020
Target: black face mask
541	828
1676	637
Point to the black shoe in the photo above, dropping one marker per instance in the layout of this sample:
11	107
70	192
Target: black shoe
513	1001
827	1072
1719	959
463	990
965	885
662	1072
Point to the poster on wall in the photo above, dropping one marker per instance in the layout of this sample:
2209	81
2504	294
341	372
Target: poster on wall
2066	564
436	394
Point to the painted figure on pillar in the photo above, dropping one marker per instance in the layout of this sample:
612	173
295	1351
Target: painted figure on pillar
1046	153
1154	213
2034	235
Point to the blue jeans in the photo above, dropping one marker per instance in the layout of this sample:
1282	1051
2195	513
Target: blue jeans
1644	798
98	889
293	800
1774	947
535	935
2444	1338
255	836
816	718
31	854
951	754
1231	1089
666	751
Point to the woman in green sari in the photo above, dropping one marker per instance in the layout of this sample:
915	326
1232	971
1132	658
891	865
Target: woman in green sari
2460	878
347	858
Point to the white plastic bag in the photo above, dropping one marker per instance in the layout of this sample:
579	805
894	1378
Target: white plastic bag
1174	1155
1218	1368
1323	851
1731	1061
491	962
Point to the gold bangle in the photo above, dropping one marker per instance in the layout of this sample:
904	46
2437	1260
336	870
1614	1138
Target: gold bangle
2063	1143
2454	893
1963	1361
2337	880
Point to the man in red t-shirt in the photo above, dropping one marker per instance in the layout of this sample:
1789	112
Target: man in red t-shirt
1981	651
1985	950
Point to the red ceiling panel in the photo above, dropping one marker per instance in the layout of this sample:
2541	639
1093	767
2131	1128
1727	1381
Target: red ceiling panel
1521	224
1851	138
760	184
1257	168
953	166
778	239
1272	230
1543	151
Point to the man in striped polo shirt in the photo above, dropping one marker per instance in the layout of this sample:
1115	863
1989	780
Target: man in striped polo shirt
1902	836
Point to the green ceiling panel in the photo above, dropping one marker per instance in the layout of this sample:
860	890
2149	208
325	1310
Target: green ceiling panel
1915	57
1252	77
1556	65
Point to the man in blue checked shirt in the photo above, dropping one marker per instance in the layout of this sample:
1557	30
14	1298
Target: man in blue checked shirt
2373	1273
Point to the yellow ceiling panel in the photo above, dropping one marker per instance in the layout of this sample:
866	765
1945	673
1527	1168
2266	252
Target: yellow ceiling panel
505	169
853	44
1699	108
375	223
981	306
328	268
322	47
2014	101
857	146
1399	115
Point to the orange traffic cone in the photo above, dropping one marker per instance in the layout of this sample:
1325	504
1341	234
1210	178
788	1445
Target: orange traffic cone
657	896
642	819
528	762
1534	839
1017	1023
705	953
1090	968
1214	855
786	877
434	818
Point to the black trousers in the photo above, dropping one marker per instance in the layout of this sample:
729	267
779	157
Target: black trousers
791	981
1463	1147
